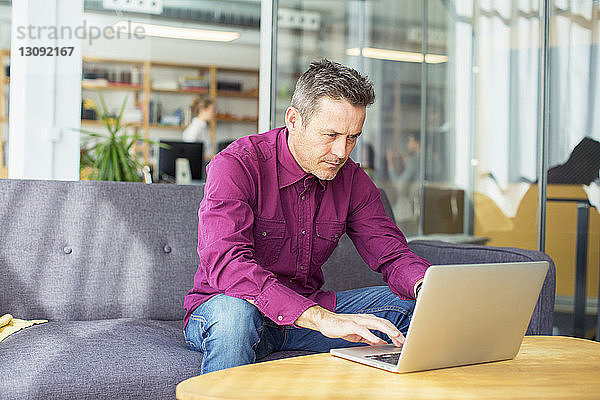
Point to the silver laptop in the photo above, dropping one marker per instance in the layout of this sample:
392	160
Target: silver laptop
465	314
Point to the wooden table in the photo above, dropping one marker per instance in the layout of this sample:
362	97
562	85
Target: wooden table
547	367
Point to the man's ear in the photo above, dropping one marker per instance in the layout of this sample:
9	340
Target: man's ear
292	119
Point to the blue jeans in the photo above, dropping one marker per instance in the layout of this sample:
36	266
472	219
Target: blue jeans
232	332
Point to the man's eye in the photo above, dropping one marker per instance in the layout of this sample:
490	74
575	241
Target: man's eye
331	135
352	138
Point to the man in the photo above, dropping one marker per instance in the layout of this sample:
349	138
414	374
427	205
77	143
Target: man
404	173
274	208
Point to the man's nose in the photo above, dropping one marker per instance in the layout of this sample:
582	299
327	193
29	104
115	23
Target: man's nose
338	148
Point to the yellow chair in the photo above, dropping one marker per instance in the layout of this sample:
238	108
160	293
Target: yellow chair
561	231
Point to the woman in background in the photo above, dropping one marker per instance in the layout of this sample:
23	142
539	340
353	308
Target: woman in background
198	130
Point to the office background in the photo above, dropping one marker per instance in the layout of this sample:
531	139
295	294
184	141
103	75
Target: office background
476	100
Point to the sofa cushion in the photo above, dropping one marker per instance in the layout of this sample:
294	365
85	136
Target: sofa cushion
116	359
97	250
119	359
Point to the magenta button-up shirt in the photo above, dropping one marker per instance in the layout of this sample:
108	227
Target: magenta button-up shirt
266	227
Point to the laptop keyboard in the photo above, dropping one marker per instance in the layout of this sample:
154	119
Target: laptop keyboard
389	358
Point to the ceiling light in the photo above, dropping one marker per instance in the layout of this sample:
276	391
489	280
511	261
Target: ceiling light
174	32
397	55
435	58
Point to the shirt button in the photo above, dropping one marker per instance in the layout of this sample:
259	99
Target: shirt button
303	198
303	232
264	233
336	235
167	249
67	250
280	318
302	267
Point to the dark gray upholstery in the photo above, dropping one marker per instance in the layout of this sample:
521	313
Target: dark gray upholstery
452	253
111	359
109	264
97	250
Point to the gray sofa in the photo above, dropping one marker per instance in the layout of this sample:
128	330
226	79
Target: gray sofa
109	264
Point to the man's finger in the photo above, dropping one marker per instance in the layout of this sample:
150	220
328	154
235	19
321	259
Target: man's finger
369	337
384	326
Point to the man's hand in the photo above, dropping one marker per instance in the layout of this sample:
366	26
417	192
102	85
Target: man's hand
351	327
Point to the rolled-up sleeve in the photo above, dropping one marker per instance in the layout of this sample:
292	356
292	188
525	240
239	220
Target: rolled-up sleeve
379	241
226	243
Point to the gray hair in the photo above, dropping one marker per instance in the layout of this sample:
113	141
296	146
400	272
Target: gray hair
326	78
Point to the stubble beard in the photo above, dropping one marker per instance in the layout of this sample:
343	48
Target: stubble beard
328	177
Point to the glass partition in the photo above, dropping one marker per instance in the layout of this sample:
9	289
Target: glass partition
506	76
468	112
157	61
5	25
453	135
573	191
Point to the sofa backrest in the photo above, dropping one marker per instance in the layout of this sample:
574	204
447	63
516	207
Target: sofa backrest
96	250
100	250
442	253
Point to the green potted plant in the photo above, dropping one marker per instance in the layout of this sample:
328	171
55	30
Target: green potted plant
109	156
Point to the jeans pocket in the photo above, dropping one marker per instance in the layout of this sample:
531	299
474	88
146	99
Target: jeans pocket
194	332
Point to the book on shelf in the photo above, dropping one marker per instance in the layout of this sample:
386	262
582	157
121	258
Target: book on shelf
193	82
165	84
96	82
132	115
229	85
173	120
155	112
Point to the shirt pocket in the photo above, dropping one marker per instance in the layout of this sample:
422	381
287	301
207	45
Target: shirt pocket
269	236
326	239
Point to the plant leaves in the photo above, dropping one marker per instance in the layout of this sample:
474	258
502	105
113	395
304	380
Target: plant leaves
110	155
118	123
115	160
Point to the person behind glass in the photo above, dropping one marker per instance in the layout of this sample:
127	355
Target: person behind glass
275	205
404	173
198	130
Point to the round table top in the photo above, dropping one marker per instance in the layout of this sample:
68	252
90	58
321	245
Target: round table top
546	367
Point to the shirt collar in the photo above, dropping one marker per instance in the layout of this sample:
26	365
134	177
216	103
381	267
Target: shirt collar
289	171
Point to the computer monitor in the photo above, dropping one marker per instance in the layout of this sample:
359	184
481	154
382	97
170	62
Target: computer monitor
223	145
193	151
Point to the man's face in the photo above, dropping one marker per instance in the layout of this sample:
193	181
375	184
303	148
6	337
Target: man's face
322	147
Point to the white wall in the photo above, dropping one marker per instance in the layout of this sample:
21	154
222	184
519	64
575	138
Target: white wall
5	12
45	94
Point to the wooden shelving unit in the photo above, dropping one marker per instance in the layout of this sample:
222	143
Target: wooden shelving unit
142	93
92	123
167	127
229	93
181	91
125	87
236	119
144	90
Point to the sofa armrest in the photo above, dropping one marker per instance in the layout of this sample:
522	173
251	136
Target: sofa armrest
442	253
